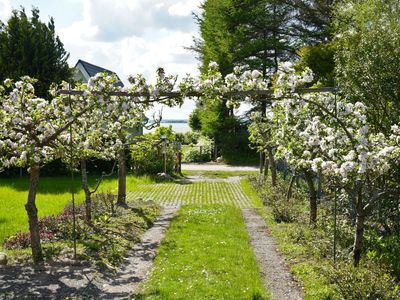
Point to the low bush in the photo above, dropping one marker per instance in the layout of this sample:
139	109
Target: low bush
22	240
283	210
187	138
199	151
147	156
196	154
386	250
107	201
369	282
51	228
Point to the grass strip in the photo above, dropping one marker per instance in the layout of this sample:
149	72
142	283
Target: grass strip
205	255
305	266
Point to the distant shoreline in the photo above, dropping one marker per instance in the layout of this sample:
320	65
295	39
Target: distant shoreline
179	126
169	121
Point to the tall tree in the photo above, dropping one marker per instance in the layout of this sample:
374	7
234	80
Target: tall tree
368	57
256	33
313	20
313	27
261	30
216	42
250	33
30	47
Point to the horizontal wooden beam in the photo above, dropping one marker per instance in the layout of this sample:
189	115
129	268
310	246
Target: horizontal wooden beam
267	93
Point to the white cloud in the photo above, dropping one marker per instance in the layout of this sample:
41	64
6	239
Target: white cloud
5	10
183	8
138	36
121	18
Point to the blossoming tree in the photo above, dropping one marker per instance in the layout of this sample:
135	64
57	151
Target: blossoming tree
30	129
320	133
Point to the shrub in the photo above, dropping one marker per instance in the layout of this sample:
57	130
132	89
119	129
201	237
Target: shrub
365	282
283	210
187	138
18	241
22	240
147	156
385	250
193	153
146	159
106	202
51	228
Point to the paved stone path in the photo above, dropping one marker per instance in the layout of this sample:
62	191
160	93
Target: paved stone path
194	191
277	278
212	166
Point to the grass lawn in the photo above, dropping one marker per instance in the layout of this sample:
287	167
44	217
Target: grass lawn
205	255
53	194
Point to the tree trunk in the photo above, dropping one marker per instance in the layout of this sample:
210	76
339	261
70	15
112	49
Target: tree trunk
263	108
215	148
266	167
88	194
289	191
359	234
261	164
272	166
319	186
32	211
121	200
313	197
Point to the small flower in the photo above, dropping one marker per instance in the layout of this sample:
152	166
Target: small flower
213	65
256	74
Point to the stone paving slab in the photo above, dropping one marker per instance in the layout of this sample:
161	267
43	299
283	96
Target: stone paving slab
212	166
194	191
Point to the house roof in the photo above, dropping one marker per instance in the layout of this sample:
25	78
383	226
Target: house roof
93	70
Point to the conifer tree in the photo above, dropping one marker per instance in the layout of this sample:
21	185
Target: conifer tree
30	47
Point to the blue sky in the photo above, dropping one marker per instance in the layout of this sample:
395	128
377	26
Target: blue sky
126	36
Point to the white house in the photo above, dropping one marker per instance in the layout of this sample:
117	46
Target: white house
84	70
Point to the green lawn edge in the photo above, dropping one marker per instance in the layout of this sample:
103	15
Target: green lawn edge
306	269
54	193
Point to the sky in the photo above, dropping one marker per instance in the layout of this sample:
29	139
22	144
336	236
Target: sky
125	36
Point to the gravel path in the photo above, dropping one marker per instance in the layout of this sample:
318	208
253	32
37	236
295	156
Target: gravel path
215	167
277	278
66	279
137	266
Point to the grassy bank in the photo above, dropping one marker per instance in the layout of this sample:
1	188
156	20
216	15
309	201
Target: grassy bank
309	250
54	193
205	255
